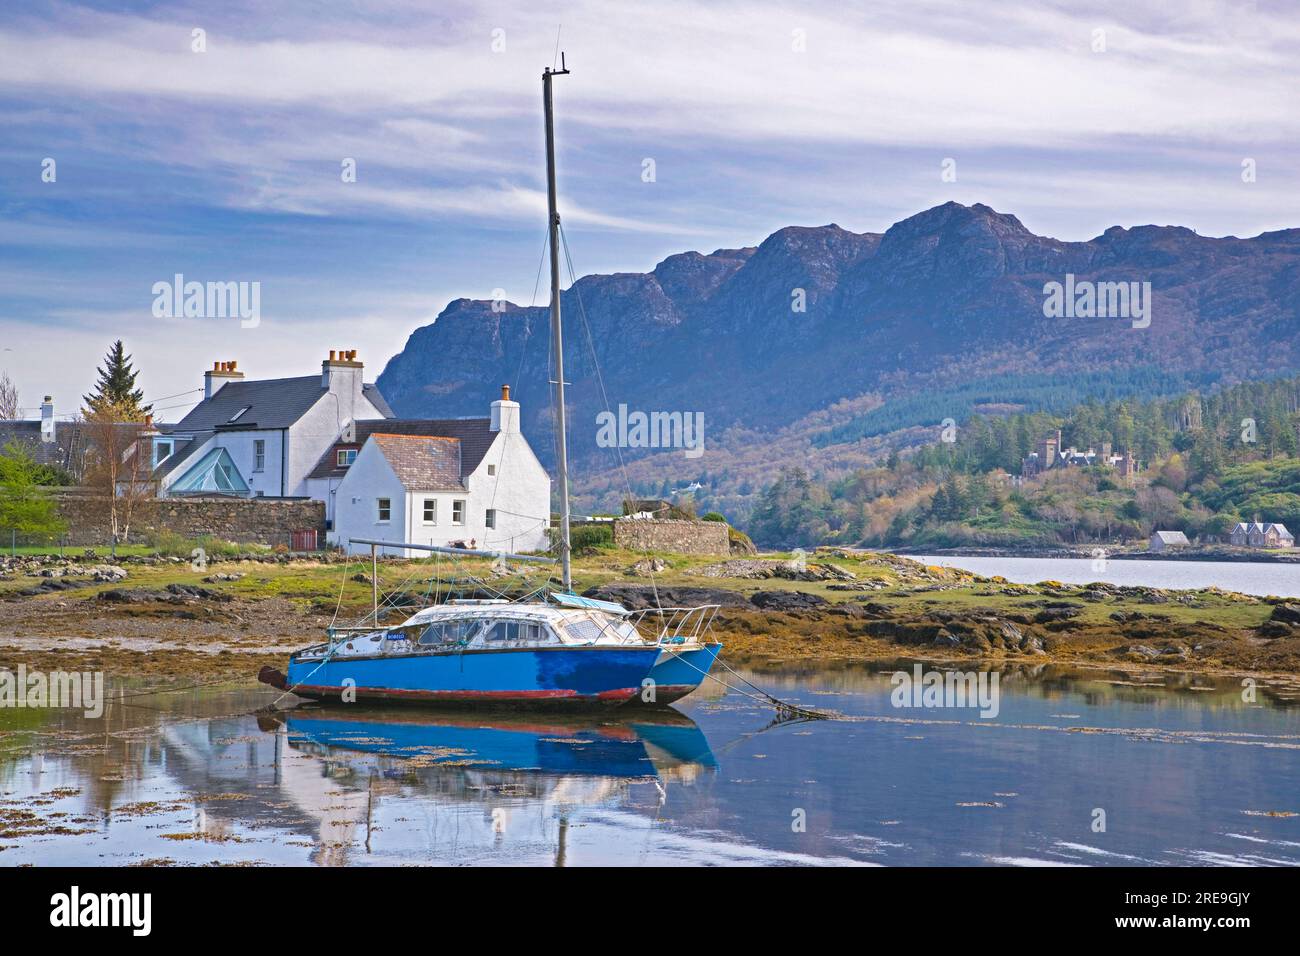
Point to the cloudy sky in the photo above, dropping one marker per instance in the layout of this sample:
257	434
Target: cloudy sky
225	163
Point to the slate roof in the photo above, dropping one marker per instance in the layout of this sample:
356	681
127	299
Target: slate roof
1260	527
422	462
66	451
474	434
1171	537
272	403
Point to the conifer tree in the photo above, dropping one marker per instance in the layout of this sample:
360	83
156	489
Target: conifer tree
116	386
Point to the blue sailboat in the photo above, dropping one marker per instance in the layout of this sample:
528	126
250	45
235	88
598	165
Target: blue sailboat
567	651
480	652
563	651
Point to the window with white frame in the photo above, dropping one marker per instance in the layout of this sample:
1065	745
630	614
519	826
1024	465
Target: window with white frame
492	469
384	508
259	455
490	519
430	510
345	457
458	512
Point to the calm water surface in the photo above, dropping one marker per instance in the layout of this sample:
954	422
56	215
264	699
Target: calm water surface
1245	577
1187	773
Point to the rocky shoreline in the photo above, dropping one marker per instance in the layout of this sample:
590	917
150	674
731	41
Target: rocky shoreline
1047	623
165	619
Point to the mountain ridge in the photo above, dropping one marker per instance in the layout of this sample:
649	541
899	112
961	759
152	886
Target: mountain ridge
949	296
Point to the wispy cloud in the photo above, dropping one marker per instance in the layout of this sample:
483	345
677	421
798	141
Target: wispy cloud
1073	115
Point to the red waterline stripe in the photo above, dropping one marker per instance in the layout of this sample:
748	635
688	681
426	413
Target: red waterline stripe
624	693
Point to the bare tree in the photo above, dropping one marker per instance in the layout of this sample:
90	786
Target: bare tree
118	463
9	409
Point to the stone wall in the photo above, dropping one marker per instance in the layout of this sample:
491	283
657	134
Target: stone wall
245	520
677	536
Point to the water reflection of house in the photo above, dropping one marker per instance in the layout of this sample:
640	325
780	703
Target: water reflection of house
472	782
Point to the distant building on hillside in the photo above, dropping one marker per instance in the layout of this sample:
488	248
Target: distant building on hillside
1258	534
1048	453
1163	540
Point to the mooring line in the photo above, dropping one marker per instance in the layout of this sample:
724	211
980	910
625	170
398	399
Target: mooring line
784	709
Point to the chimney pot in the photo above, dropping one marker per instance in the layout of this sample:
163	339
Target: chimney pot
505	393
332	353
221	373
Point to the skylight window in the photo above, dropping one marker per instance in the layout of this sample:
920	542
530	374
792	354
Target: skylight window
239	414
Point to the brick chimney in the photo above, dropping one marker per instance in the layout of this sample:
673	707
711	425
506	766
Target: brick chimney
505	413
222	372
47	419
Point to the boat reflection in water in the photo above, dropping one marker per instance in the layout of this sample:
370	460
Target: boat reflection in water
490	765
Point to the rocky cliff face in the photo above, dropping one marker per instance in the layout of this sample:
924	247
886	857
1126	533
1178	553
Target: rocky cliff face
942	302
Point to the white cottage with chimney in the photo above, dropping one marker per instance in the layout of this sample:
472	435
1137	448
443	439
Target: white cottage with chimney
262	438
461	482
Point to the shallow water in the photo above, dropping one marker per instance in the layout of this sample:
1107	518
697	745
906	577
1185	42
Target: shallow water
1186	773
1245	577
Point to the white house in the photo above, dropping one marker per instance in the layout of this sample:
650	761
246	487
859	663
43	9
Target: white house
471	482
262	438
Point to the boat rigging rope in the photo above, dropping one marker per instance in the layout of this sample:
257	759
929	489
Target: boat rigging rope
604	395
784	709
343	583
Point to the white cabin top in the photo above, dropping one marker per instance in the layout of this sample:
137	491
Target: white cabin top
574	627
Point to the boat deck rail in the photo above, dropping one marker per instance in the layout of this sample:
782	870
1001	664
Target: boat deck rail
677	624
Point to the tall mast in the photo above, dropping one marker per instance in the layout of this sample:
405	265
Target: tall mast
557	331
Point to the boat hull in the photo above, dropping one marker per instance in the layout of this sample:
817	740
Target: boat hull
536	677
678	672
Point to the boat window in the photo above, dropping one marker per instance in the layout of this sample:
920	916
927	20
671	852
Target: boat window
447	632
501	632
434	634
624	631
585	630
507	631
